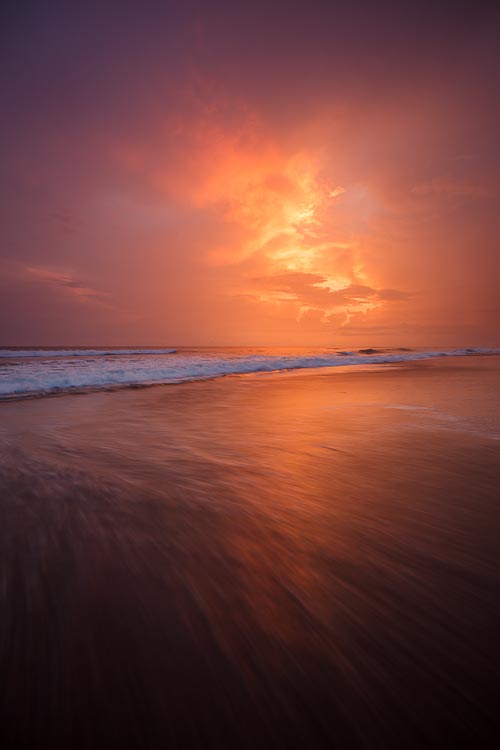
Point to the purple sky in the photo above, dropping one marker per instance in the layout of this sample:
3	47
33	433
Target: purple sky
231	173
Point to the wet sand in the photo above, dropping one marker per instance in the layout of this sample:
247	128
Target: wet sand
292	560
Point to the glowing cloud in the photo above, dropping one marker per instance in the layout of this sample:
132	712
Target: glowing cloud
286	213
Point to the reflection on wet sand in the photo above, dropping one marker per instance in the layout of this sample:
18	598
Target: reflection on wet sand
303	560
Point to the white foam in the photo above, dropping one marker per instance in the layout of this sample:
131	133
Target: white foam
31	377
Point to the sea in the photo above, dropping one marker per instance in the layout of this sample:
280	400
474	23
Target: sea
303	553
41	371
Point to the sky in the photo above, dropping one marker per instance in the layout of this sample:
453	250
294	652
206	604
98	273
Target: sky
249	173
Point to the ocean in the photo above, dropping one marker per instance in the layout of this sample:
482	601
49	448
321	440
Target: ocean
301	555
42	371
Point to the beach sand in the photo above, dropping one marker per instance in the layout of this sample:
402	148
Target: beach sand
289	560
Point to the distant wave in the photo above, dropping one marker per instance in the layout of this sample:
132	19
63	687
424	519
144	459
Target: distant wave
32	377
23	353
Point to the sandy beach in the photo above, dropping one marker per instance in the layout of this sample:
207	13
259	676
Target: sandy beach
304	559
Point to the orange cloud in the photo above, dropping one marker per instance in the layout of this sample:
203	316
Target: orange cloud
67	282
285	214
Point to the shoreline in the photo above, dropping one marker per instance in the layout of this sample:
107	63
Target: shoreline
326	370
311	559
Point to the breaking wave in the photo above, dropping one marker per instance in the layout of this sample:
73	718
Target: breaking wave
89	369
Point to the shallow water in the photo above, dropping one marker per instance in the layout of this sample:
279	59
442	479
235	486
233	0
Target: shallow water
286	560
39	372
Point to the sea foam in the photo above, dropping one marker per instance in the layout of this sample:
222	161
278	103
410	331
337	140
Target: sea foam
93	369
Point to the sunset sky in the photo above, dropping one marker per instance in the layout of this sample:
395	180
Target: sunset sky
233	172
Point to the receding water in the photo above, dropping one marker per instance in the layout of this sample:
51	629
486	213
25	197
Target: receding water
300	560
